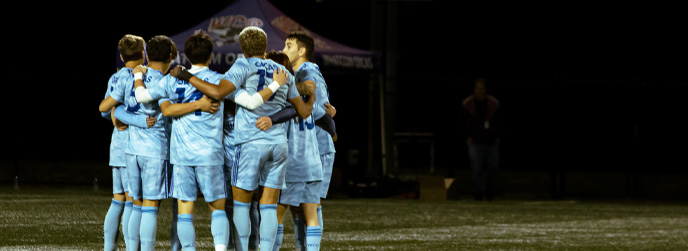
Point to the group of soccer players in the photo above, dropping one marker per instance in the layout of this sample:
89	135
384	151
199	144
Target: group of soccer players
261	134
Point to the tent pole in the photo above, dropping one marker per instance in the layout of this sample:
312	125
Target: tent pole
383	141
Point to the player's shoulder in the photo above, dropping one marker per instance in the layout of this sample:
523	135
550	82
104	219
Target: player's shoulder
121	76
311	66
123	72
241	62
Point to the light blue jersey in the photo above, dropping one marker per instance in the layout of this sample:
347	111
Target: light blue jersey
252	75
119	139
303	164
196	137
150	142
311	71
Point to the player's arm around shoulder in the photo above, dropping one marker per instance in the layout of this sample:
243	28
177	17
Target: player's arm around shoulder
216	92
304	109
204	104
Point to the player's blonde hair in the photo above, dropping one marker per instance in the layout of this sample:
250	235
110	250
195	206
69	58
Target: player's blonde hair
253	41
131	47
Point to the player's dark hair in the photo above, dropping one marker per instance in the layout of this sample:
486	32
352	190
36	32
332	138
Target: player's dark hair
303	40
131	47
280	58
198	47
161	49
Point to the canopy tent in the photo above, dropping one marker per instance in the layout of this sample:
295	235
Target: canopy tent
225	26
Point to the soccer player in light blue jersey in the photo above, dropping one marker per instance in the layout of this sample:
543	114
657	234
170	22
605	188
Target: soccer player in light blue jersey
131	48
299	47
147	154
304	172
260	155
196	148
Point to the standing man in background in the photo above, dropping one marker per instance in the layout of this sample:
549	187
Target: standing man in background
479	116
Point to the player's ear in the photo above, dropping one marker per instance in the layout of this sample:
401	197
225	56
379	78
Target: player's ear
302	52
122	58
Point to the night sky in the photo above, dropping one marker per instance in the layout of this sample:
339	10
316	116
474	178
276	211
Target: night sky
577	81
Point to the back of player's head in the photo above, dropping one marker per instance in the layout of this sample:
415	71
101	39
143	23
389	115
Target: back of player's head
131	47
253	41
280	58
161	49
303	40
198	47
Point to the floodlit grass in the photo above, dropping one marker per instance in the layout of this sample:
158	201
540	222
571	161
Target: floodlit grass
48	219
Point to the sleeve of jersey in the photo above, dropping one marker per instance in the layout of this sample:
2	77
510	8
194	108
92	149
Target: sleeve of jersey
116	91
320	100
231	95
237	73
162	88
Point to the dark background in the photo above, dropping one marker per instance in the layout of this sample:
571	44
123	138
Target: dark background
582	86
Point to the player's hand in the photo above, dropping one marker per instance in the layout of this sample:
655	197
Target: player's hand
150	121
140	69
121	126
280	76
304	88
334	138
329	109
208	105
181	73
310	85
264	123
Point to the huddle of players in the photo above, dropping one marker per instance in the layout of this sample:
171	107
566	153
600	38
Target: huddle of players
268	143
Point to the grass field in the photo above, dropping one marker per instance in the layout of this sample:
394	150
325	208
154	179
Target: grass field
72	218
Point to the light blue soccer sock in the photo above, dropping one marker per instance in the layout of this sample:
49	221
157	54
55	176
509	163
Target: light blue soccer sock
320	219
243	224
134	227
149	227
128	208
219	227
278	238
186	231
175	245
268	225
111	224
254	240
313	237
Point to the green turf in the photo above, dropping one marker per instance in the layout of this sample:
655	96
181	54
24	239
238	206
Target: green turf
43	218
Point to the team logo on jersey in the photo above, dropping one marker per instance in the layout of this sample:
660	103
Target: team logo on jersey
225	30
